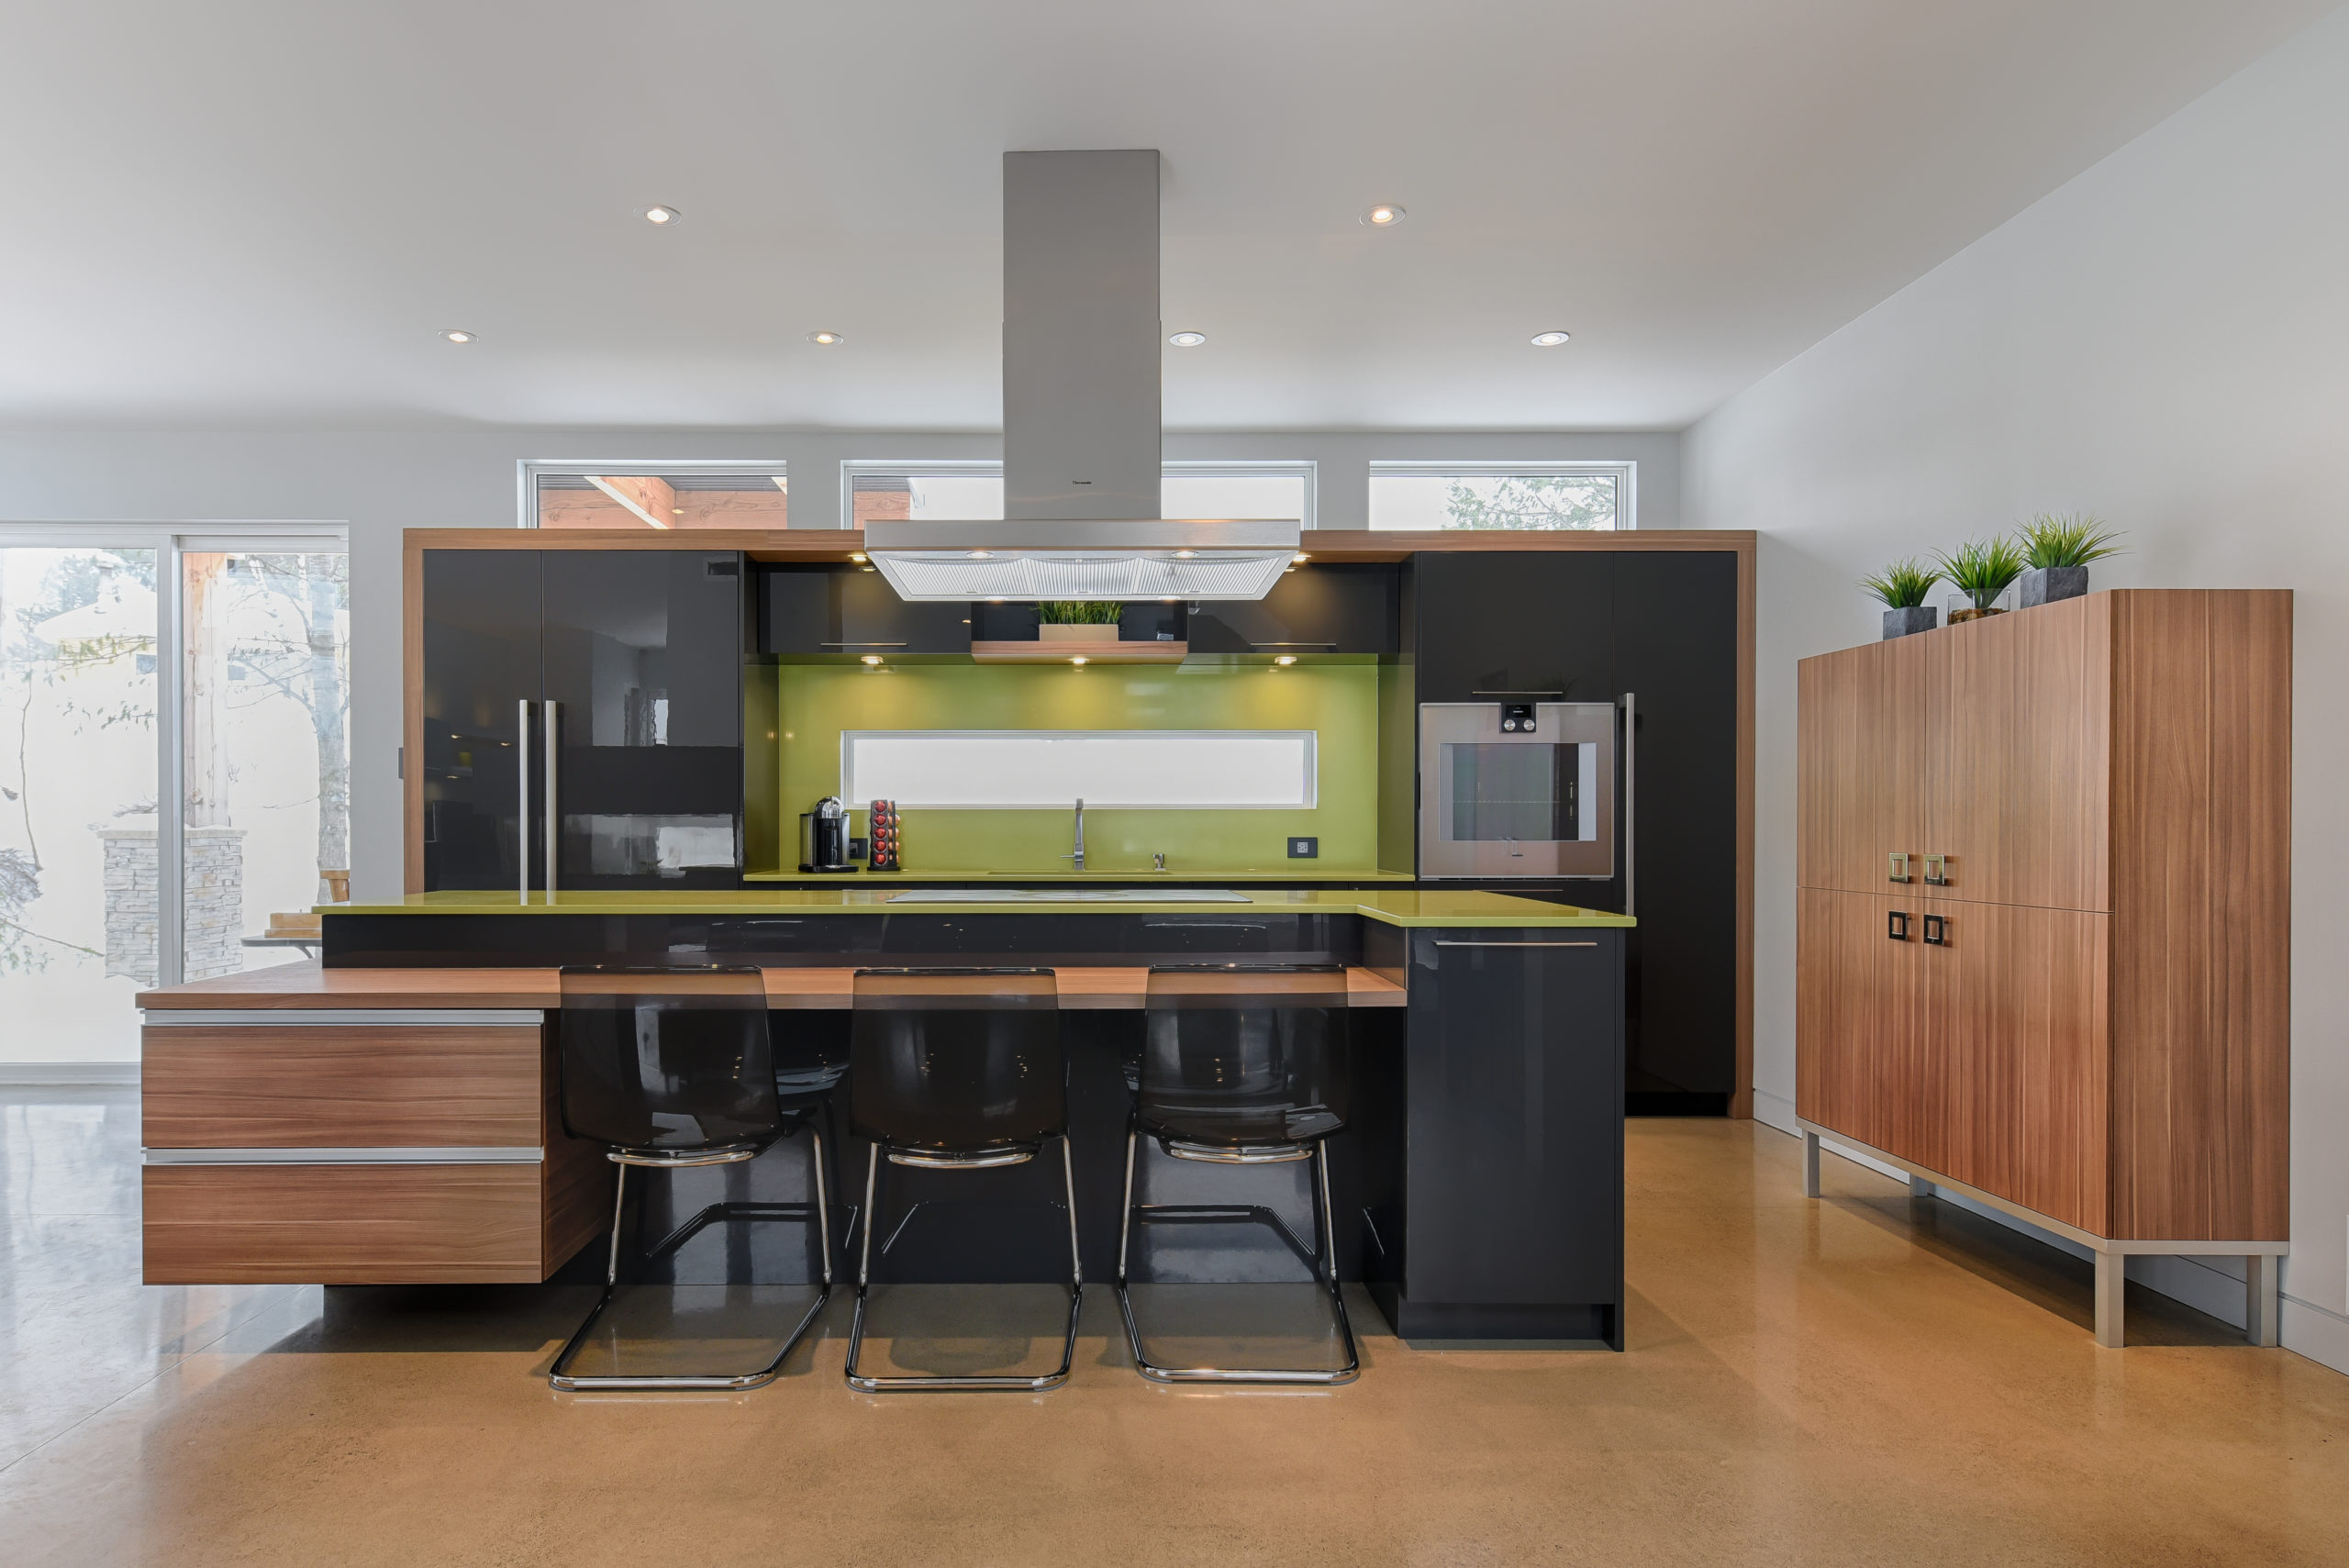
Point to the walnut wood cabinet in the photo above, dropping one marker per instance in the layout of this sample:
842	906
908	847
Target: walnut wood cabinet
2043	923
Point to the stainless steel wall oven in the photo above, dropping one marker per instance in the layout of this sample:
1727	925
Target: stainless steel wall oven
1510	789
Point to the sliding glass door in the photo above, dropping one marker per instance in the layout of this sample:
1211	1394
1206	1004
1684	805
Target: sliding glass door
78	765
265	788
226	691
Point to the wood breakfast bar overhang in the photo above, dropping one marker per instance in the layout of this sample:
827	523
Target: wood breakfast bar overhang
391	1115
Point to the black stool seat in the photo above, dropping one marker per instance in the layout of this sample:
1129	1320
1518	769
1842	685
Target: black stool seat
1241	1065
957	1068
674	1068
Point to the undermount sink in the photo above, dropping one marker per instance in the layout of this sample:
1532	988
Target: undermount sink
1067	896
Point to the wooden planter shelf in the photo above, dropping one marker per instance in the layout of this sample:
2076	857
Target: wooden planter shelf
1108	651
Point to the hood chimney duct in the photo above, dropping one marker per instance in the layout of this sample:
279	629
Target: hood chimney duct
1080	337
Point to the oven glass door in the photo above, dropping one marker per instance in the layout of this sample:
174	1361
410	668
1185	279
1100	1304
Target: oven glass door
1494	804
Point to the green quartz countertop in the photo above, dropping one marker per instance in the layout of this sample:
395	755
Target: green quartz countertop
1135	876
1396	907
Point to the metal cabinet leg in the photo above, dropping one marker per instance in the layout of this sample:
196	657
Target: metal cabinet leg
2264	1298
1811	1165
2110	1275
1920	1186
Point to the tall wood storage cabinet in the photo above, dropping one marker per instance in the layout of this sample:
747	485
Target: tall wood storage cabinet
2043	927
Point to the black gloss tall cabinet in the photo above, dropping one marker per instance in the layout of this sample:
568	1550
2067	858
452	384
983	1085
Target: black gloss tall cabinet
637	656
1660	627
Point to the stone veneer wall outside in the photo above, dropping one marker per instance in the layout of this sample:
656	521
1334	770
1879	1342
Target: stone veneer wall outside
215	902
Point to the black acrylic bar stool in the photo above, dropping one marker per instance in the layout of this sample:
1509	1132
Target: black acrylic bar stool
957	1070
1242	1065
672	1068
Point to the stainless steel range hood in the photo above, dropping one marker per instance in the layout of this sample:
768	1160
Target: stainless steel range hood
1081	459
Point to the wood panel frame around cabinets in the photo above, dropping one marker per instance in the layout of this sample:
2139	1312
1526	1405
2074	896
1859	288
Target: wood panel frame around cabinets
1327	545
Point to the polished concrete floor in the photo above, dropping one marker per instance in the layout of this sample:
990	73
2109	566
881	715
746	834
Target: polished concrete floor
1864	1379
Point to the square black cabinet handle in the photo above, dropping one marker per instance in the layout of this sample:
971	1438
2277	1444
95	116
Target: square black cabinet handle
1896	925
1937	930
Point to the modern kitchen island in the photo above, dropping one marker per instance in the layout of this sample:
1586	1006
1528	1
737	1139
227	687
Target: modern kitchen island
391	1114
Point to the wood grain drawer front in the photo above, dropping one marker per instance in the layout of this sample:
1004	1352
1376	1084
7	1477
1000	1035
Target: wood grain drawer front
343	1223
342	1087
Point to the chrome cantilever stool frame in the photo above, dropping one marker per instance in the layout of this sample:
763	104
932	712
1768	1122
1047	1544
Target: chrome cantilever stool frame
1242	1065
671	1068
957	1070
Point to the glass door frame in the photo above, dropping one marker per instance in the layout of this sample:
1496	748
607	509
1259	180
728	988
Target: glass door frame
171	545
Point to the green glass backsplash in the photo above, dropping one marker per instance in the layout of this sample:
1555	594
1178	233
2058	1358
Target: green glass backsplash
1339	703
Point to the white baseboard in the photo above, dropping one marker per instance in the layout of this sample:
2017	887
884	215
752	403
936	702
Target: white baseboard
1779	1112
2316	1333
60	1075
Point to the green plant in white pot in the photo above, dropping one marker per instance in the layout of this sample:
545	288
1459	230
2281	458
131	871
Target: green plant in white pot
1077	620
2056	552
1903	586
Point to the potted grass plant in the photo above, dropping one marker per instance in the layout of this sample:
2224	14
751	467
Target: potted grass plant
1981	570
1077	620
1903	586
2056	552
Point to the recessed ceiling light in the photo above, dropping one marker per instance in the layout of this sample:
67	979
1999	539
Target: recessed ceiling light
827	340
1549	339
457	335
1386	215
662	216
1187	339
873	658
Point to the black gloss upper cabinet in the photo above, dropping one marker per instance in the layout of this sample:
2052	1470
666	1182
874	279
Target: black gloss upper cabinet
481	621
1350	608
851	611
1505	622
635	656
643	653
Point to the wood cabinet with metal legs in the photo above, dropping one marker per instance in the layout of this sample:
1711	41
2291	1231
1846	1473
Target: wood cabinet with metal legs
2044	932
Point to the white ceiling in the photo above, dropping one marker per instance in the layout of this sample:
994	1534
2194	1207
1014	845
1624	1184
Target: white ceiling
260	212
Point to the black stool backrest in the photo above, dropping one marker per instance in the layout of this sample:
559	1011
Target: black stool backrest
1245	1055
669	1059
959	1060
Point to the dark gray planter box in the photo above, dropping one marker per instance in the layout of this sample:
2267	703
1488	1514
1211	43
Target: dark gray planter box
1900	623
2046	584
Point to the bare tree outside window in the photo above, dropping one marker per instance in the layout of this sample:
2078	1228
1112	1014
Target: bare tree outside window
1539	501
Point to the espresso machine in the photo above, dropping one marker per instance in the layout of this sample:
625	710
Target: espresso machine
823	837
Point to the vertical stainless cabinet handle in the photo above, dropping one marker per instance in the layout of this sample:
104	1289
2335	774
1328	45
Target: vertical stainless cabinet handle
522	796
553	817
1899	868
1630	803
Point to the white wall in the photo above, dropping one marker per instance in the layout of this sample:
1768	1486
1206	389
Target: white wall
378	483
2164	342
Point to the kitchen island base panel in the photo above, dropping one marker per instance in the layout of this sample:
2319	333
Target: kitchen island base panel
1595	1322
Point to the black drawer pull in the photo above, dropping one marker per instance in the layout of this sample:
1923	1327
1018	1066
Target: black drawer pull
1896	925
1937	930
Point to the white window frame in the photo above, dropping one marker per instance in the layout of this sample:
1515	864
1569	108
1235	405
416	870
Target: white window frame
526	500
1626	475
170	545
1306	740
981	468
